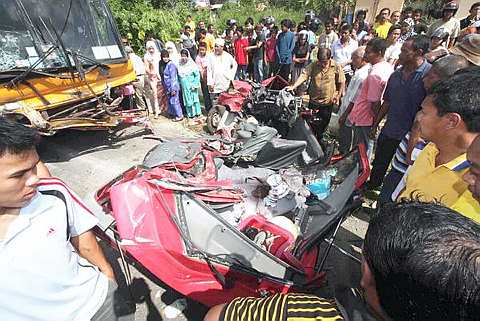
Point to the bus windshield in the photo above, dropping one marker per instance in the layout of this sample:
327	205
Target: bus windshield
30	31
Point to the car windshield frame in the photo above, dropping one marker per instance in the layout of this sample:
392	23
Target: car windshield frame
46	34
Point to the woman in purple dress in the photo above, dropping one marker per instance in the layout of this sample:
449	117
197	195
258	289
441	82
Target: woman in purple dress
172	86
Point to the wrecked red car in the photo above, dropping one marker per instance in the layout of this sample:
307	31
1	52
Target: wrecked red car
214	233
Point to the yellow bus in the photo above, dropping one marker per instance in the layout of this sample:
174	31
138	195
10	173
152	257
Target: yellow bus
62	65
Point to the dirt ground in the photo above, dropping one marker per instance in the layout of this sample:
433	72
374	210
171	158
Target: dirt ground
88	160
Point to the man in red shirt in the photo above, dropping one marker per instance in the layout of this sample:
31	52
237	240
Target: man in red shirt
241	55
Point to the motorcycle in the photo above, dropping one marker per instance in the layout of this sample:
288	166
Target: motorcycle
268	102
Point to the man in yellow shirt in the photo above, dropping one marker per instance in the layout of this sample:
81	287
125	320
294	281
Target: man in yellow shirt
383	25
468	203
190	23
449	119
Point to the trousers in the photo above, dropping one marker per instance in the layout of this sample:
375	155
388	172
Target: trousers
384	153
321	118
107	311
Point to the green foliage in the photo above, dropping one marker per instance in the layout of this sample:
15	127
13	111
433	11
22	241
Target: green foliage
241	13
326	5
138	19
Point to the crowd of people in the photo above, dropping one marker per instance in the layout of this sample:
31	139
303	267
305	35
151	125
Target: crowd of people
256	51
406	90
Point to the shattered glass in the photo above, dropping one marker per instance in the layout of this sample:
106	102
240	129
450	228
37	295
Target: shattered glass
28	30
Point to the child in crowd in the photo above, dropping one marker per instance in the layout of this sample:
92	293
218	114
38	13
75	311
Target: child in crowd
189	76
271	52
417	16
407	16
406	31
201	61
229	45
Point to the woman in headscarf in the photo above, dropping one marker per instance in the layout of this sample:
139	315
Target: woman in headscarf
173	52
189	76
151	60
172	87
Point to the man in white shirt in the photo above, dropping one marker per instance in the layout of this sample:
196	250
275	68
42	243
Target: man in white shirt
51	266
141	85
342	50
326	39
221	69
362	69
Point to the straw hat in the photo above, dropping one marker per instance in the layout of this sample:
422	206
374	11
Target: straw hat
469	48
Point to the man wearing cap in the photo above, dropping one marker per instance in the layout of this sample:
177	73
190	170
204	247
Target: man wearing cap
469	48
448	22
221	69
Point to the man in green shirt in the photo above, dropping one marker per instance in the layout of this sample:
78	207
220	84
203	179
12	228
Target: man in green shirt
327	84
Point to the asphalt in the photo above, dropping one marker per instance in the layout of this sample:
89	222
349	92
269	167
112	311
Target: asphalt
88	160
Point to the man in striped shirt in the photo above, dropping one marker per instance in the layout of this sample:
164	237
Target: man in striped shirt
420	263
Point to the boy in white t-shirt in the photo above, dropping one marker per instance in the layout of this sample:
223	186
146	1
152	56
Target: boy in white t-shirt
51	266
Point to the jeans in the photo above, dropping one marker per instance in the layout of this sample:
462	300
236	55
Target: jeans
386	148
390	183
272	68
345	138
360	135
242	72
258	70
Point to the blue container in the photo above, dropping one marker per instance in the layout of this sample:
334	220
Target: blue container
321	186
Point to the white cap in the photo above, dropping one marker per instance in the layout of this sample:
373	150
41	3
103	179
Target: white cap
219	42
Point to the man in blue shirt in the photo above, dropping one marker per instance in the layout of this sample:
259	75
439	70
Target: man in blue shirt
285	46
402	99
